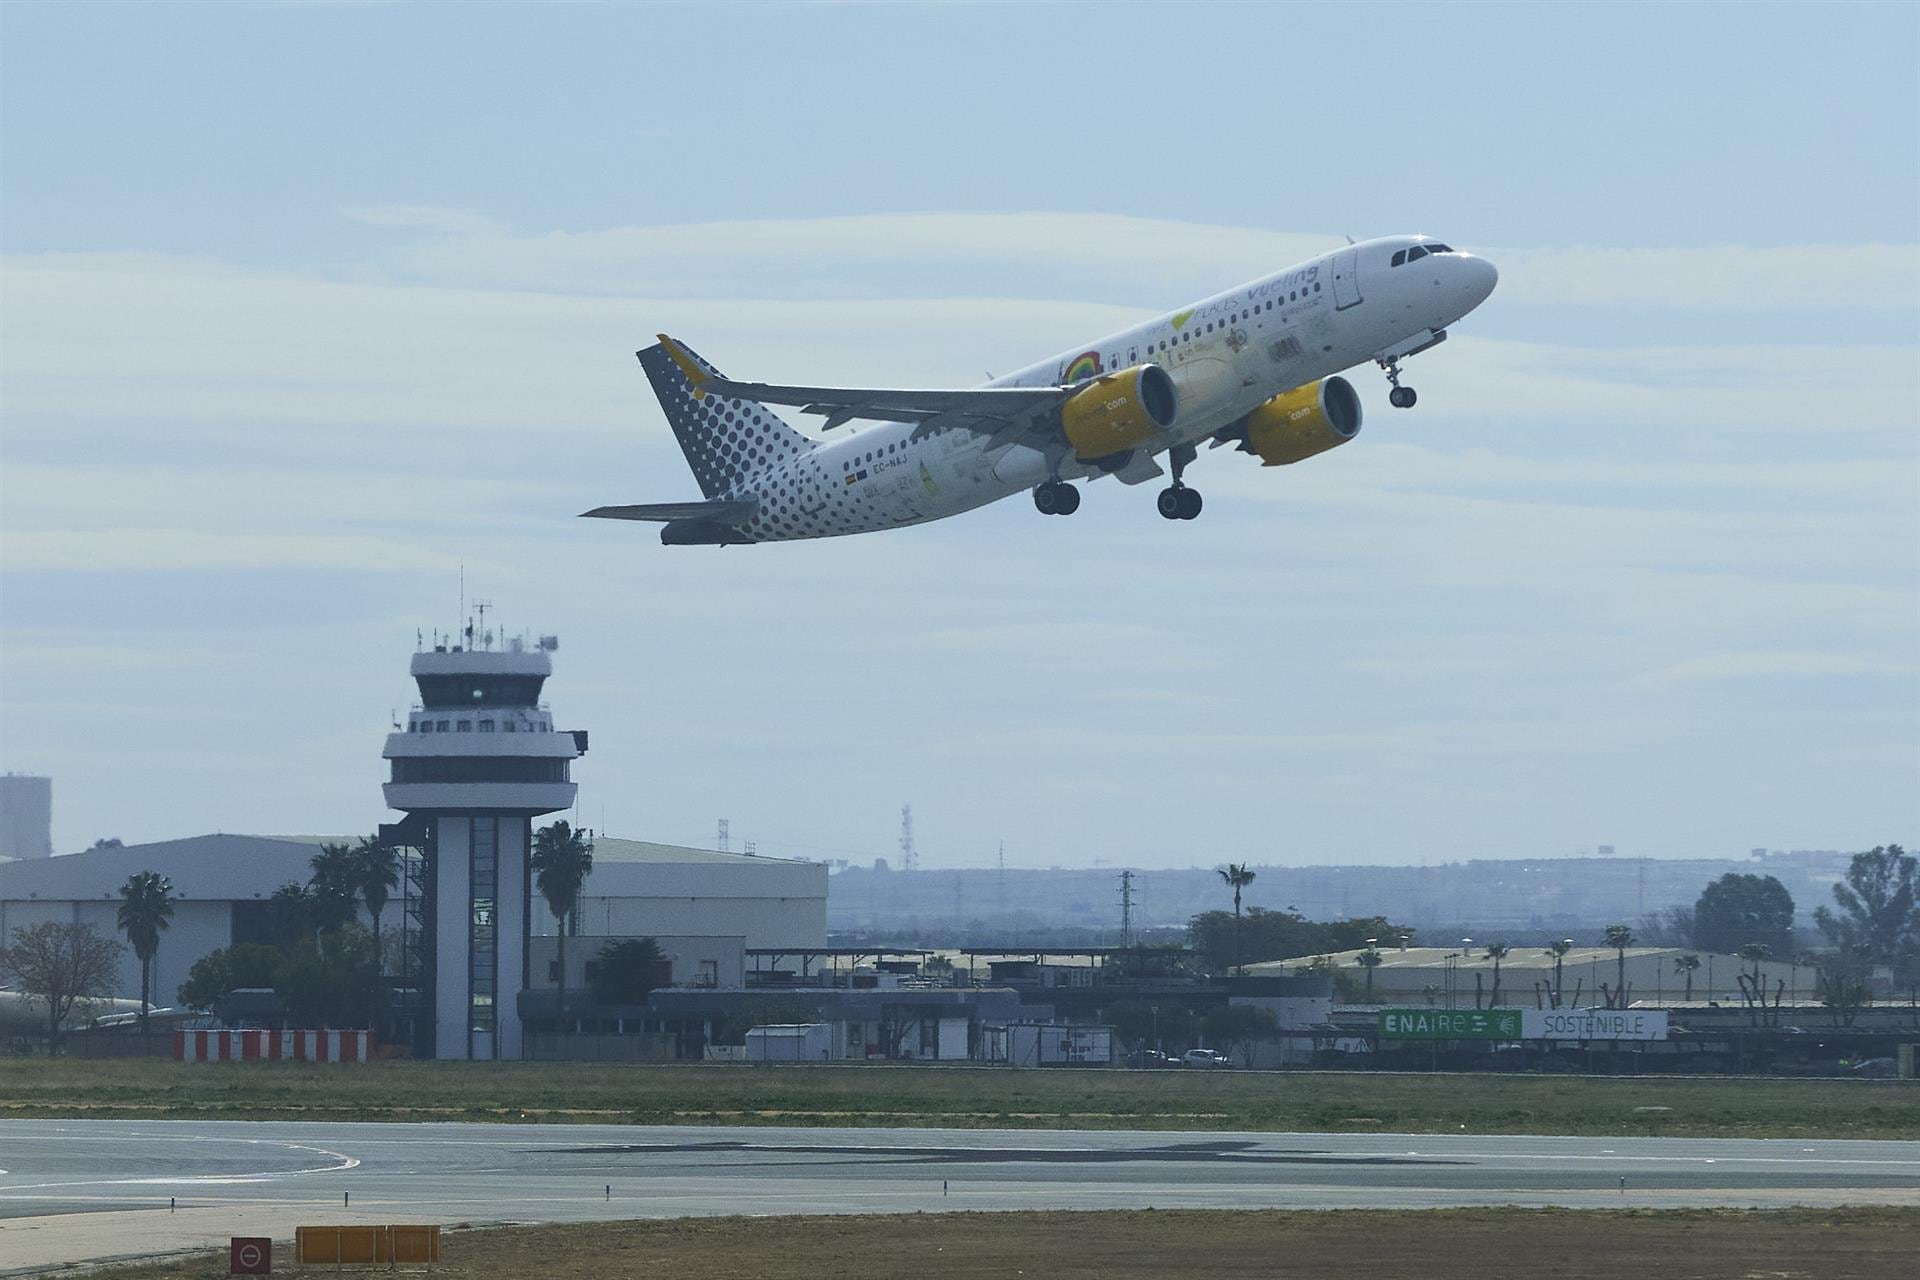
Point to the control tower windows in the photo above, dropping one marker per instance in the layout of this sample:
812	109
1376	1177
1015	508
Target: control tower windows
479	690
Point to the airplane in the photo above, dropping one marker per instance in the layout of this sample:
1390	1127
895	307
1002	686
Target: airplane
1255	367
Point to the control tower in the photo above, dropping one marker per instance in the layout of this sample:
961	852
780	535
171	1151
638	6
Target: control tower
477	760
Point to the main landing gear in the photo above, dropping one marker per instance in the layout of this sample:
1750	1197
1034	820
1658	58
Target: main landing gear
1400	397
1056	498
1179	502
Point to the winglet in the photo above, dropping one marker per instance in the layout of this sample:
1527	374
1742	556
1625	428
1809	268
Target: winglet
693	372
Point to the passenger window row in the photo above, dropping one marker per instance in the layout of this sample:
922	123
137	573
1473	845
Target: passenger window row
1237	316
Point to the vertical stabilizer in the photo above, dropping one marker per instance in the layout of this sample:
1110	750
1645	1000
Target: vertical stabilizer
724	440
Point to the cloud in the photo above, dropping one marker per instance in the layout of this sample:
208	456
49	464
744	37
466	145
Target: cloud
176	549
1112	256
426	217
1762	664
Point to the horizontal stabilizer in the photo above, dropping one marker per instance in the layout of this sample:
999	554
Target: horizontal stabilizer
720	512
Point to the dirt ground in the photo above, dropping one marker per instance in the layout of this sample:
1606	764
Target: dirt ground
1464	1244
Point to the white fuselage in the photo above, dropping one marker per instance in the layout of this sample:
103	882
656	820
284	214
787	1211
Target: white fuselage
1227	355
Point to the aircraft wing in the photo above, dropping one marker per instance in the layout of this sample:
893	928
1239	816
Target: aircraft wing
989	411
720	512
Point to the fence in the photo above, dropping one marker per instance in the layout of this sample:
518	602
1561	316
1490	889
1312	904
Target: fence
273	1046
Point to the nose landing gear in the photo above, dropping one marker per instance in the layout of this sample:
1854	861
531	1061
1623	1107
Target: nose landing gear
1400	397
1056	498
1179	502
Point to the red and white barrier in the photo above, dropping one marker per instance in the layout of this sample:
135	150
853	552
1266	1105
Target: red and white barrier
273	1046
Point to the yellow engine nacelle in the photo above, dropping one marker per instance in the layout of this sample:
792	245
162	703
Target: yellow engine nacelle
1119	411
1299	423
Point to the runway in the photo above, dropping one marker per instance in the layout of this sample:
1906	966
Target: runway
73	1190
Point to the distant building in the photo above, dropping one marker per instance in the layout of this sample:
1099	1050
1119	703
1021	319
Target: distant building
26	816
1454	977
704	908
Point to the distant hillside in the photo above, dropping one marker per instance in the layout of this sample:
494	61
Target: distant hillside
1547	893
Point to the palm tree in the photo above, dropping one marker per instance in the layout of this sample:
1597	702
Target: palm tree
336	883
1369	960
1756	952
1687	964
1559	953
376	873
1619	937
1496	951
562	857
1239	875
146	907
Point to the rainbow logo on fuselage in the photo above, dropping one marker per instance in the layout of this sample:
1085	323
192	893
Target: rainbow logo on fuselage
1083	366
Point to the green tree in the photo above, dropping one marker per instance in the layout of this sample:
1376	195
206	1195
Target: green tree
333	887
562	859
1559	951
332	981
1619	937
1231	1028
625	971
146	908
1496	951
376	867
57	966
221	972
1370	959
1737	909
1688	965
1239	876
290	914
1879	909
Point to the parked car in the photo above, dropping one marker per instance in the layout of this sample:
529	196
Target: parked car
1206	1058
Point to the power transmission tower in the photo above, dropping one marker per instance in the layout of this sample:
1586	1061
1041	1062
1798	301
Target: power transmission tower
723	836
909	860
1000	889
1126	908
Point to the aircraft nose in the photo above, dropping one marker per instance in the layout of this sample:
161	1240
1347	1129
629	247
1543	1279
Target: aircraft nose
1483	275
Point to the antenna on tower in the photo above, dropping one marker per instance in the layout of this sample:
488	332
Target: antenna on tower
1126	908
484	638
723	836
909	860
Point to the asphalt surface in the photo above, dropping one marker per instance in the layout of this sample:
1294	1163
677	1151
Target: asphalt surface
76	1190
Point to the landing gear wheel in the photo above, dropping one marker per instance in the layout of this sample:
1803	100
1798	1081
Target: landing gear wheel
1402	397
1056	498
1189	503
1178	503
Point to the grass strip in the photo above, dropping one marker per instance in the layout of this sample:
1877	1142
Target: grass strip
1736	1107
1438	1244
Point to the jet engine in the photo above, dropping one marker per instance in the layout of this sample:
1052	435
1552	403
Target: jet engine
1119	411
1299	423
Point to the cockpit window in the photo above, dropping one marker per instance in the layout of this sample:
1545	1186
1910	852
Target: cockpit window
1439	248
1399	257
1416	253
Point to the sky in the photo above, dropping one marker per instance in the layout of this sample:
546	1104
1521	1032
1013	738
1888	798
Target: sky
316	316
